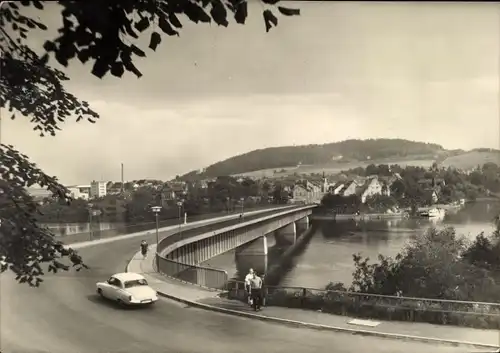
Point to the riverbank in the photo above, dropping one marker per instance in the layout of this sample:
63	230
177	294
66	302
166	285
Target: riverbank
360	217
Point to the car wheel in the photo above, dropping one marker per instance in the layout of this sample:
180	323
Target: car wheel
99	291
120	302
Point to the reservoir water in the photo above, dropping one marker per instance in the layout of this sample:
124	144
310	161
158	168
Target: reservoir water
61	229
327	256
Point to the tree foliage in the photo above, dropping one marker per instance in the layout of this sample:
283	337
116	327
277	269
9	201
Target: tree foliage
437	264
100	32
25	246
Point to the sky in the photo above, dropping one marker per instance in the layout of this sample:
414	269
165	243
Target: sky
420	71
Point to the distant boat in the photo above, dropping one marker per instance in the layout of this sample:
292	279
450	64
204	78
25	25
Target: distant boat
433	213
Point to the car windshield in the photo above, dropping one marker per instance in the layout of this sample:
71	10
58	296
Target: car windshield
135	283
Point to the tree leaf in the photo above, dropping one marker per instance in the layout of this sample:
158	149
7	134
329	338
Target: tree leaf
117	69
174	20
129	66
154	41
137	51
288	12
38	4
219	13
49	46
196	13
142	24
44	60
100	68
84	55
269	19
241	13
166	27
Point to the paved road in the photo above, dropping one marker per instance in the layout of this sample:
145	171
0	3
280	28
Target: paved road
65	315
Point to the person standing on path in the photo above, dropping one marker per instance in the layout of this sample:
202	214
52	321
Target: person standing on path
248	277
256	291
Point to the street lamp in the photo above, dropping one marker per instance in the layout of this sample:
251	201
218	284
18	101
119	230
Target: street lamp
89	207
157	210
242	200
179	204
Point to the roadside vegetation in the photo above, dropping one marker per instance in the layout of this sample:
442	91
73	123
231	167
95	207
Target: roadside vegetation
439	278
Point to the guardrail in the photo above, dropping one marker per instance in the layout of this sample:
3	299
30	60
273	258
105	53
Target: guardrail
200	275
134	228
436	311
209	277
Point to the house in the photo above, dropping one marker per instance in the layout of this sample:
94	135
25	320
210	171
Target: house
371	187
334	189
348	189
431	182
114	188
173	191
387	182
431	195
300	193
98	189
79	191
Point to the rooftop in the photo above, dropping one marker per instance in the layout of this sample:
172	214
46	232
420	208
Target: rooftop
127	276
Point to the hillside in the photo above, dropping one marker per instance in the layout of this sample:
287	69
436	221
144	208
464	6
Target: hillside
472	159
337	155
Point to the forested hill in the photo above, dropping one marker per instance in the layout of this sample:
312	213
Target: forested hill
344	151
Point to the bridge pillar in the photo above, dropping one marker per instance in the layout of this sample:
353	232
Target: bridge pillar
255	247
303	223
245	262
288	232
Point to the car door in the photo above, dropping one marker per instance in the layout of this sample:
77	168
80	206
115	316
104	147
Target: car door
111	288
118	290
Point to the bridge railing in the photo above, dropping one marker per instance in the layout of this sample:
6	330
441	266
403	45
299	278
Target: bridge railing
193	232
200	275
134	228
209	277
436	311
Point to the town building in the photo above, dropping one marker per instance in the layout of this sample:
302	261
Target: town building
98	189
79	191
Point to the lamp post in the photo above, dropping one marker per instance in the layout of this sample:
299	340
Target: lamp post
179	204
242	200
157	210
89	207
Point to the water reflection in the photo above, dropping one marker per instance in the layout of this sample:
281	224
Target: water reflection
62	229
328	255
237	265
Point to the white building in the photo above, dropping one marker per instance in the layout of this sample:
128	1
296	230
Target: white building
79	191
97	189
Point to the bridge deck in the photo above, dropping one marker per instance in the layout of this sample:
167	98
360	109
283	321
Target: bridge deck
191	233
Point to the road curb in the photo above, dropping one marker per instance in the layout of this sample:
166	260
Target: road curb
303	324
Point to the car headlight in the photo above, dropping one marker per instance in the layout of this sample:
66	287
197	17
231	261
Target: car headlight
130	298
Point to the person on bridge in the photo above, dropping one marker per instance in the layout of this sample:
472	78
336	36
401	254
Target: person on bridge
248	277
144	248
256	292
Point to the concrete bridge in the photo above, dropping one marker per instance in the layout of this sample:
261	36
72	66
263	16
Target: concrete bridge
180	257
